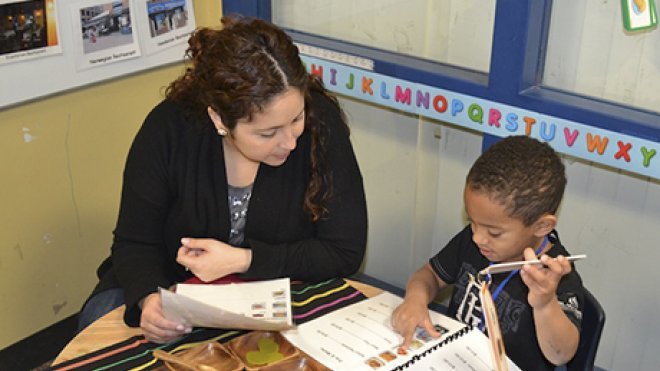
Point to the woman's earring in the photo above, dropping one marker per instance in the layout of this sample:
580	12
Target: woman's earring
222	132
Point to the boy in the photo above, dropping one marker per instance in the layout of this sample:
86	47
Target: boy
511	196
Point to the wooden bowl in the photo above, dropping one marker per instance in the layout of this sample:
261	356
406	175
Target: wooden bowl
259	349
203	357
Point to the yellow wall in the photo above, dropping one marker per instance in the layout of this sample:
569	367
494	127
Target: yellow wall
61	167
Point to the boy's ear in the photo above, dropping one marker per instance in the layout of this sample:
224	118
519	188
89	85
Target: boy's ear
545	224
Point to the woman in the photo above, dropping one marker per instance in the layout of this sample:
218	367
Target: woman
246	168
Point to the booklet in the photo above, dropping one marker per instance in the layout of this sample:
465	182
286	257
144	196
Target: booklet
258	305
360	337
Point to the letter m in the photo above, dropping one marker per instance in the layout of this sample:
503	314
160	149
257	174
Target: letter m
402	96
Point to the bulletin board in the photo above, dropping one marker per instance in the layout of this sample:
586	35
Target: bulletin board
51	46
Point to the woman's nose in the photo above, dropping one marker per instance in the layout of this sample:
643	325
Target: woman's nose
290	139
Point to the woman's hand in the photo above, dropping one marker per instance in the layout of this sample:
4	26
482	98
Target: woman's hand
210	259
542	281
155	326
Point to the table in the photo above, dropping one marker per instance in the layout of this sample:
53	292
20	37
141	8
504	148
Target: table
111	329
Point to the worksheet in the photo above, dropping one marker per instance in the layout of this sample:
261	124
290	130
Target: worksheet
259	305
360	337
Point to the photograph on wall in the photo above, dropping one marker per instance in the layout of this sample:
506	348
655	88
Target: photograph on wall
103	32
170	23
28	30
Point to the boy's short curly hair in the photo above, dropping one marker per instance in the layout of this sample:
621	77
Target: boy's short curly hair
523	174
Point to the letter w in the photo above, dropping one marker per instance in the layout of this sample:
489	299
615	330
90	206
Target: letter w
594	141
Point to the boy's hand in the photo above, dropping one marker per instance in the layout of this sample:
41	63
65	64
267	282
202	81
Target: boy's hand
410	315
542	281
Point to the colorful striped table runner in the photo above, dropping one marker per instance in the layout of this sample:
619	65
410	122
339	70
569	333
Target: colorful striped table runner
308	300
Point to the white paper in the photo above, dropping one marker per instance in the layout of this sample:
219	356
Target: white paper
262	305
470	352
351	337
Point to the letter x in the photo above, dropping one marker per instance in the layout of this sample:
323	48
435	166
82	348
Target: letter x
623	151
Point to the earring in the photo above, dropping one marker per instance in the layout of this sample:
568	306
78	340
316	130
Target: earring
222	132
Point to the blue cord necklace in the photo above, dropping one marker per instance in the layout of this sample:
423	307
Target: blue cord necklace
499	288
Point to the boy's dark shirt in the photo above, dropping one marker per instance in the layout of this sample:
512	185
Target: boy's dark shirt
461	256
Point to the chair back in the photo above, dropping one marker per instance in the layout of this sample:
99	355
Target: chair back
593	321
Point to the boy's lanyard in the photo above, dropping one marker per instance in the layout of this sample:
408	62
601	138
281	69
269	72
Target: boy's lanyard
499	288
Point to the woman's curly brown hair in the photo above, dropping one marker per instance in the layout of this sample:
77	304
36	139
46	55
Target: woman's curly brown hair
238	70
